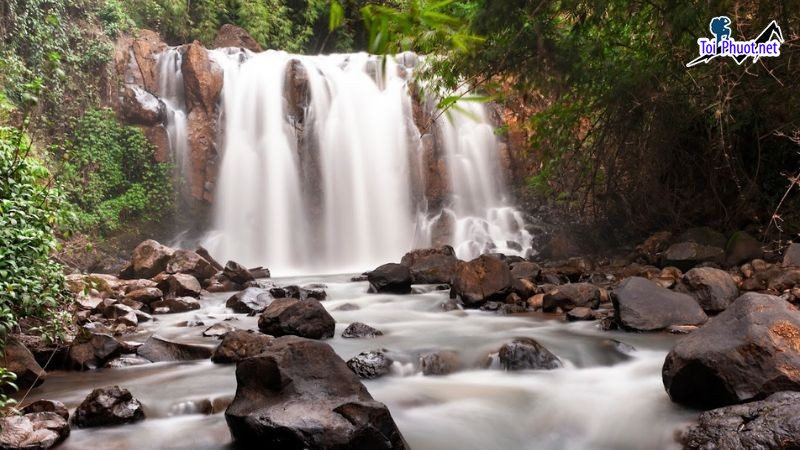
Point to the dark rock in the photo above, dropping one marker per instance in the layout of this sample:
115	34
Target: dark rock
233	36
252	300
207	256
240	344
146	295
290	316
390	278
108	406
175	305
572	295
640	304
180	285
34	431
359	278
348	307
791	256
150	258
237	273
767	424
650	250
431	265
300	394
369	365
126	361
52	406
523	287
92	350
747	352
782	280
714	289
580	313
685	255
483	279
298	293
439	363
218	330
525	270
360	330
18	359
527	353
704	236
158	349
189	262
122	314
742	248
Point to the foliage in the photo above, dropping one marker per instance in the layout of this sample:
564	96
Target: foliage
110	174
7	383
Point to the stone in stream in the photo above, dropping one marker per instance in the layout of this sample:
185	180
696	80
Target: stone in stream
180	285
34	431
92	350
347	307
525	270
145	295
18	359
390	278
747	352
431	265
218	330
240	344
304	318
189	262
207	256
252	300
572	295
53	406
299	394
580	313
150	258
237	273
483	279
108	406
175	305
526	353
158	349
442	362
642	305
772	423
360	330
299	293
122	314
685	255
714	289
371	364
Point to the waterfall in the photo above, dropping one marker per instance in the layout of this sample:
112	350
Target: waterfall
321	165
171	92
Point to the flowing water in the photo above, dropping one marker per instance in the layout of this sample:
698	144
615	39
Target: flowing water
606	397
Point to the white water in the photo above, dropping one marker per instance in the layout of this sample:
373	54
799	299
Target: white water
171	92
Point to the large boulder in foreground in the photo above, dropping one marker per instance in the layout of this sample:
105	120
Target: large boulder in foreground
304	318
714	289
747	352
108	406
390	278
642	305
299	394
773	423
34	431
431	265
150	258
483	279
240	344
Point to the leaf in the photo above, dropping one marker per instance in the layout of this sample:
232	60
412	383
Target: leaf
336	15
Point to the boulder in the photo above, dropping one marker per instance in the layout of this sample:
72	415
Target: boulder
299	394
372	364
741	248
526	353
139	107
480	280
290	316
685	255
146	295
714	289
390	278
791	256
108	406
180	285
189	262
122	314
175	305
18	359
207	256
233	36
572	295
360	330
92	350
237	273
218	330
251	301
34	431
704	236
642	305
158	349
747	352
129	286
771	423
150	258
202	78
298	292
580	313
431	265
442	362
650	250
525	270
53	406
240	344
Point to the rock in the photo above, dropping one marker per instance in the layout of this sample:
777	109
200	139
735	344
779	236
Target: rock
259	272
237	273
681	329
108	406
35	431
650	250
300	394
175	305
207	256
536	301
640	304
240	344
126	361
150	258
18	359
742	248
685	255
704	236
137	284
480	280
747	352
580	313
233	36
139	107
202	78
360	330
158	349
783	280
52	406
290	316
526	353
443	227
218	330
370	365
431	265
190	263
390	278
93	350
298	293
714	289
442	362
771	423
791	256
122	314
146	295
347	307
525	270
251	301
572	295
180	285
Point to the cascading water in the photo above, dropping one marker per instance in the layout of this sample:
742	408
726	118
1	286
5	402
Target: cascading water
171	92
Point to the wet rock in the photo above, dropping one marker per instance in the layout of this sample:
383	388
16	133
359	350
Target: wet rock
233	36
180	285
237	273
685	255
35	431
207	256
137	284
290	316
158	349
53	406
640	304
190	263
126	361
442	362
580	313
298	292
523	287
300	394
681	329
139	107
360	330
747	352
572	295
369	365
122	314
359	278
791	257
175	305
240	344
348	307
92	350
251	301
146	295
483	279
714	289
525	270
108	406
390	278
150	258
18	359
527	353
431	265
218	330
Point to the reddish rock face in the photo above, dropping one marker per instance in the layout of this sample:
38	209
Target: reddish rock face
480	280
